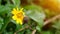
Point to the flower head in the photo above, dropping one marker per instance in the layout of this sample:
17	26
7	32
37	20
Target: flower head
18	15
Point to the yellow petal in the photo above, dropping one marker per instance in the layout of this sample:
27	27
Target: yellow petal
17	9
21	9
21	12
14	11
19	21
14	17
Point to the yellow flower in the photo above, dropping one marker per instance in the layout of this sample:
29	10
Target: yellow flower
18	15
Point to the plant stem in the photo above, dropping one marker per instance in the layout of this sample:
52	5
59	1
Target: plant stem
6	21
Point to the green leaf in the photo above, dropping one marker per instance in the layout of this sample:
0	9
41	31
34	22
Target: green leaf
16	2
57	32
4	9
10	6
6	21
56	24
34	7
36	14
28	31
8	32
45	32
1	22
38	28
0	1
22	32
18	26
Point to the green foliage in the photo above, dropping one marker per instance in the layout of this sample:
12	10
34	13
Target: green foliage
16	2
57	32
34	20
35	14
57	24
46	32
1	23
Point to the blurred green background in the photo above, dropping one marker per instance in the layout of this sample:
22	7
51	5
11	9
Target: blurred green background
33	22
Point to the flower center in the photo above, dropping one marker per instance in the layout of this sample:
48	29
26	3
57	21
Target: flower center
19	15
